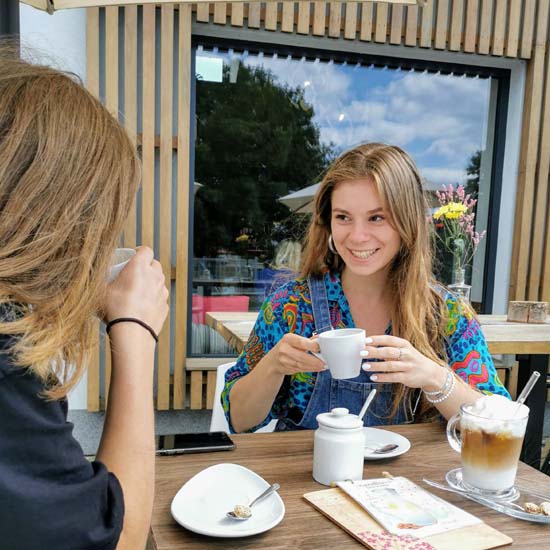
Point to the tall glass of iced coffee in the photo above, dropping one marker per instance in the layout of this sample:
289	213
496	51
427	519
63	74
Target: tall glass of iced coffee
492	431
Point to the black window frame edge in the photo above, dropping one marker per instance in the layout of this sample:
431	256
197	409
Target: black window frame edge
9	18
502	75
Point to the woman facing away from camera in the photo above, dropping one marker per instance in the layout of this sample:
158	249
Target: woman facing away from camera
68	176
367	263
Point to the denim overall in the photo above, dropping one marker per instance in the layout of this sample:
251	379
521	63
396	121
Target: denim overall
351	393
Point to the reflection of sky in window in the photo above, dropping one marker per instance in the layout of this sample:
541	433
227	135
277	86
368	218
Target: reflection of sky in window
439	119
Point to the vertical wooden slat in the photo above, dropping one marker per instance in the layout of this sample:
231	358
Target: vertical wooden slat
237	14
426	24
319	18
457	15
303	18
210	388
366	31
441	25
499	27
485	27
529	8
350	24
148	128
254	15
514	18
130	103
111	60
182	204
380	33
92	83
165	184
539	270
470	27
411	29
220	13
111	102
528	159
203	12
396	27
335	19
287	21
271	11
195	399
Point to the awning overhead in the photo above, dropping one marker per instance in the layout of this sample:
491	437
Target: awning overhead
52	5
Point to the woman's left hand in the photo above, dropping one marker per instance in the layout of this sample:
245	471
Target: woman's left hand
401	363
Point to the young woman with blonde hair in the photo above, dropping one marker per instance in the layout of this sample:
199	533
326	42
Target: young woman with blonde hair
68	176
367	263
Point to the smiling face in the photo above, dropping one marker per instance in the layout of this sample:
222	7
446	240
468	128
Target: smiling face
361	229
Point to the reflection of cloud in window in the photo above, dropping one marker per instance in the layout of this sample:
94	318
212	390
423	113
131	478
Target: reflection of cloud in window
438	118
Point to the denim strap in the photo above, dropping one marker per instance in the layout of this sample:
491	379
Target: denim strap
319	304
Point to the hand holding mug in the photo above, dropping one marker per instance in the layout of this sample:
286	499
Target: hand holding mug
292	355
401	362
139	291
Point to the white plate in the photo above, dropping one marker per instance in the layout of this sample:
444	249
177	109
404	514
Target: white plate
376	438
201	504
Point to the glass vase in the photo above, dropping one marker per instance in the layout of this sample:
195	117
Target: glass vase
458	286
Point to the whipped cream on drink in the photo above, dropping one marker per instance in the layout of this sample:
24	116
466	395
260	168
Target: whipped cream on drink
492	435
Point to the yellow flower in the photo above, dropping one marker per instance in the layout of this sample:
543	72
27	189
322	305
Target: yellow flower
451	211
242	238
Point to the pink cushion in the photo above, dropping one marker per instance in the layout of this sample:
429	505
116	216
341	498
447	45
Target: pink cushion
202	304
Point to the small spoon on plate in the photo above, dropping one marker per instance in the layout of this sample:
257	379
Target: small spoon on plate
384	449
242	512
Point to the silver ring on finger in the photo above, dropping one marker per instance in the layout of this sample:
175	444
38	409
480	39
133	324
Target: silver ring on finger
400	354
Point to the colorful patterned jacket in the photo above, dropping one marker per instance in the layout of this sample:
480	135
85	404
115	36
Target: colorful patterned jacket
289	309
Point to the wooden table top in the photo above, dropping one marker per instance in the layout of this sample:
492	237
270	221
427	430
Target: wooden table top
286	458
501	335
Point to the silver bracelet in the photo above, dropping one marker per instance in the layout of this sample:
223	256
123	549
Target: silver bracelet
443	388
445	395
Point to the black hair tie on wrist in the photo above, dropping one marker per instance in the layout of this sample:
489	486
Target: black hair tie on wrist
131	320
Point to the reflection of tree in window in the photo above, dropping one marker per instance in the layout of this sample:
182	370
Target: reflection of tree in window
255	142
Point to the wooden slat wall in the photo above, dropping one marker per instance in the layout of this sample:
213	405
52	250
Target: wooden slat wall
512	28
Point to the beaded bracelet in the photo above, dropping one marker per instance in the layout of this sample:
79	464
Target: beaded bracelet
443	388
132	320
445	395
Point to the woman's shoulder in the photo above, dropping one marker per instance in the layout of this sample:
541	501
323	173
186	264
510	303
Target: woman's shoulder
295	290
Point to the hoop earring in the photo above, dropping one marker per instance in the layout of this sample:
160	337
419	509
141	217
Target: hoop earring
331	245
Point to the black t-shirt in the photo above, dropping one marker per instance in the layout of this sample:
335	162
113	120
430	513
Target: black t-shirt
50	495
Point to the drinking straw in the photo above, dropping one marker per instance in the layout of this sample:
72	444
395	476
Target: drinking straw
368	400
526	390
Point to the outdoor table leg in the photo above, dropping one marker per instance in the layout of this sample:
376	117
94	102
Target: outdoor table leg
531	453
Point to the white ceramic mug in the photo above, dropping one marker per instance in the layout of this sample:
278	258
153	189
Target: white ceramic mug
121	257
341	351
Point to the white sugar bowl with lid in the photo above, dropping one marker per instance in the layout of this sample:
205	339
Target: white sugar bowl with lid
338	447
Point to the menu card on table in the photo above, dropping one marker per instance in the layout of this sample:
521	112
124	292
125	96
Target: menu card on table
396	514
404	508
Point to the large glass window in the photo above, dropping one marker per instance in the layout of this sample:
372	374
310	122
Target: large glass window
267	126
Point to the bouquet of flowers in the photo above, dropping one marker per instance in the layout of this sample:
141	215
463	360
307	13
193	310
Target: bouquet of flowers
454	227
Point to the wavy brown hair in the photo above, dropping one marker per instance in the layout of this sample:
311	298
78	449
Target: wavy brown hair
68	176
420	314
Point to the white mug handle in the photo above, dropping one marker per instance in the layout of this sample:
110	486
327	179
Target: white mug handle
455	440
318	355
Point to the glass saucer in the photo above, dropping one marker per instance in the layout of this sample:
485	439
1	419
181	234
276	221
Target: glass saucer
454	479
511	506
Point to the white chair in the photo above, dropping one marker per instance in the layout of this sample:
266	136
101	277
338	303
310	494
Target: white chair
218	423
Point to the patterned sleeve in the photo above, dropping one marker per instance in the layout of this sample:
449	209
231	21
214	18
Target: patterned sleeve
267	331
467	350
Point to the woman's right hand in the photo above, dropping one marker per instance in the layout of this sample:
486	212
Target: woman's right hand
139	291
291	355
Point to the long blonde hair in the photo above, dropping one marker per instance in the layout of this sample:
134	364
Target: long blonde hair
68	176
420	315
